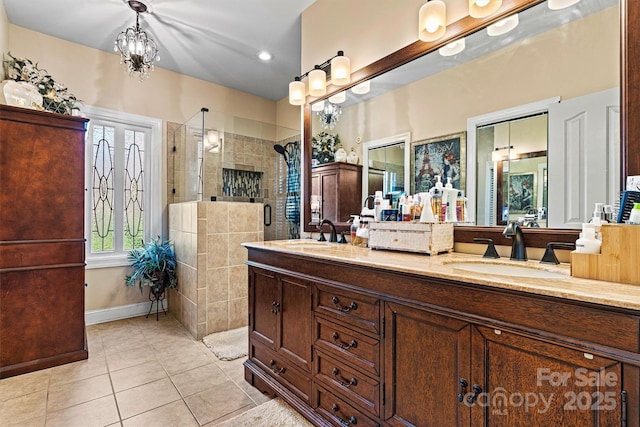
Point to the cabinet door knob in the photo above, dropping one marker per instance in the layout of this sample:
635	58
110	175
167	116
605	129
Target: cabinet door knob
476	391
336	301
275	306
463	389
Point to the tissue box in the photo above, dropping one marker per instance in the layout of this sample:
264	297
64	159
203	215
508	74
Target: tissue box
418	237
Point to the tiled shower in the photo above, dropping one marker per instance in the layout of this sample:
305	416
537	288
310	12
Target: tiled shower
226	185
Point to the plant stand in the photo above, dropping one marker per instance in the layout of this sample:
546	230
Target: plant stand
157	296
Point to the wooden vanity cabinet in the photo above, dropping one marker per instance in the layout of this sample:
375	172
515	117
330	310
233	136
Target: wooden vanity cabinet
337	189
42	246
395	349
280	328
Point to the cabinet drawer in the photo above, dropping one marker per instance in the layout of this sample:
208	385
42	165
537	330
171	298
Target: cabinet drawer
354	348
355	386
355	309
338	412
282	370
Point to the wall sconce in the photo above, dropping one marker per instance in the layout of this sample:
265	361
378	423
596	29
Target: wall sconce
560	4
453	48
340	67
483	8
503	26
432	21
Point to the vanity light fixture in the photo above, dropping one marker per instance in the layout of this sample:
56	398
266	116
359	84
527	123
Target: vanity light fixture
483	8
503	153
560	4
432	21
503	26
137	49
453	48
362	88
340	68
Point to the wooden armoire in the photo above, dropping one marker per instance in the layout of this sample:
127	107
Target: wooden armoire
42	246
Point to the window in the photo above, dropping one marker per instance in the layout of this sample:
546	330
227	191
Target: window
123	203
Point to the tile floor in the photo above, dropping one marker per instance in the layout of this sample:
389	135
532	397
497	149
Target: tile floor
140	372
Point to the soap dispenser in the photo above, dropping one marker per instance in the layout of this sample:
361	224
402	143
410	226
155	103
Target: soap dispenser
588	243
449	200
436	199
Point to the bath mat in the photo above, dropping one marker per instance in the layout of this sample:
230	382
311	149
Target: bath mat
228	345
274	413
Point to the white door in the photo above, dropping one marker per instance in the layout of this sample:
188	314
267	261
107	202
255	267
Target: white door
584	157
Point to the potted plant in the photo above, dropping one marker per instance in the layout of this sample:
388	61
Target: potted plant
153	265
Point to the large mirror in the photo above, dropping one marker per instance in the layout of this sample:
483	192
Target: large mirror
467	86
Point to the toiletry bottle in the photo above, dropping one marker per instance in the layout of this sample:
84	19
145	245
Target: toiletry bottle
354	228
587	243
450	197
377	205
436	199
427	214
460	207
634	216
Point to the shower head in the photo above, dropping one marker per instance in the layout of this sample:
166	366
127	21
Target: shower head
280	149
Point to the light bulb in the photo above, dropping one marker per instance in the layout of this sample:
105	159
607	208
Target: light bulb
432	25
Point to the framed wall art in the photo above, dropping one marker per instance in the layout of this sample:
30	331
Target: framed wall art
443	156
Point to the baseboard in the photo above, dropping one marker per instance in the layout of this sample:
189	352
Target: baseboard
94	317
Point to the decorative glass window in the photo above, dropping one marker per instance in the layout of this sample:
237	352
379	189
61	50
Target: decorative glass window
121	211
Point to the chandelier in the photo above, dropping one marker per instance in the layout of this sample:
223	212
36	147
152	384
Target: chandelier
329	115
137	49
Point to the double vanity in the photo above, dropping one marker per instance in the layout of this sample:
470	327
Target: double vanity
354	336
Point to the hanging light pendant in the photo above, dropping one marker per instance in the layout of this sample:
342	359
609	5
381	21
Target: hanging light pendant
483	8
432	20
137	49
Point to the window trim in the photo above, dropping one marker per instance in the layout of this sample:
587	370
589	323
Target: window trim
153	181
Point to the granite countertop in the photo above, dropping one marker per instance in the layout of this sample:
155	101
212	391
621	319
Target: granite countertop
559	282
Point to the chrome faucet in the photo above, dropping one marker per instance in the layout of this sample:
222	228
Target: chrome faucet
334	234
518	248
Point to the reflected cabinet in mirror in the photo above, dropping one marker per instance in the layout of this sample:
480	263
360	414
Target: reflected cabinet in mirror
564	70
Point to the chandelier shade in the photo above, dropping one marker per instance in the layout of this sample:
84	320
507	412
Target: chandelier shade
138	50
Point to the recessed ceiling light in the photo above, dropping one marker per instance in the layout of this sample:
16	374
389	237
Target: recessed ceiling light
265	56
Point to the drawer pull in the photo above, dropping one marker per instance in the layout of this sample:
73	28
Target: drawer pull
351	420
336	301
275	369
343	381
275	307
343	345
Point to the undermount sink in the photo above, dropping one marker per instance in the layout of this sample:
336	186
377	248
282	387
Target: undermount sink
507	270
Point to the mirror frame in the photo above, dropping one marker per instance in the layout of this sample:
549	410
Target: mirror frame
629	104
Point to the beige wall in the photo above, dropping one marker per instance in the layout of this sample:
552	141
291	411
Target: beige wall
4	35
98	79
